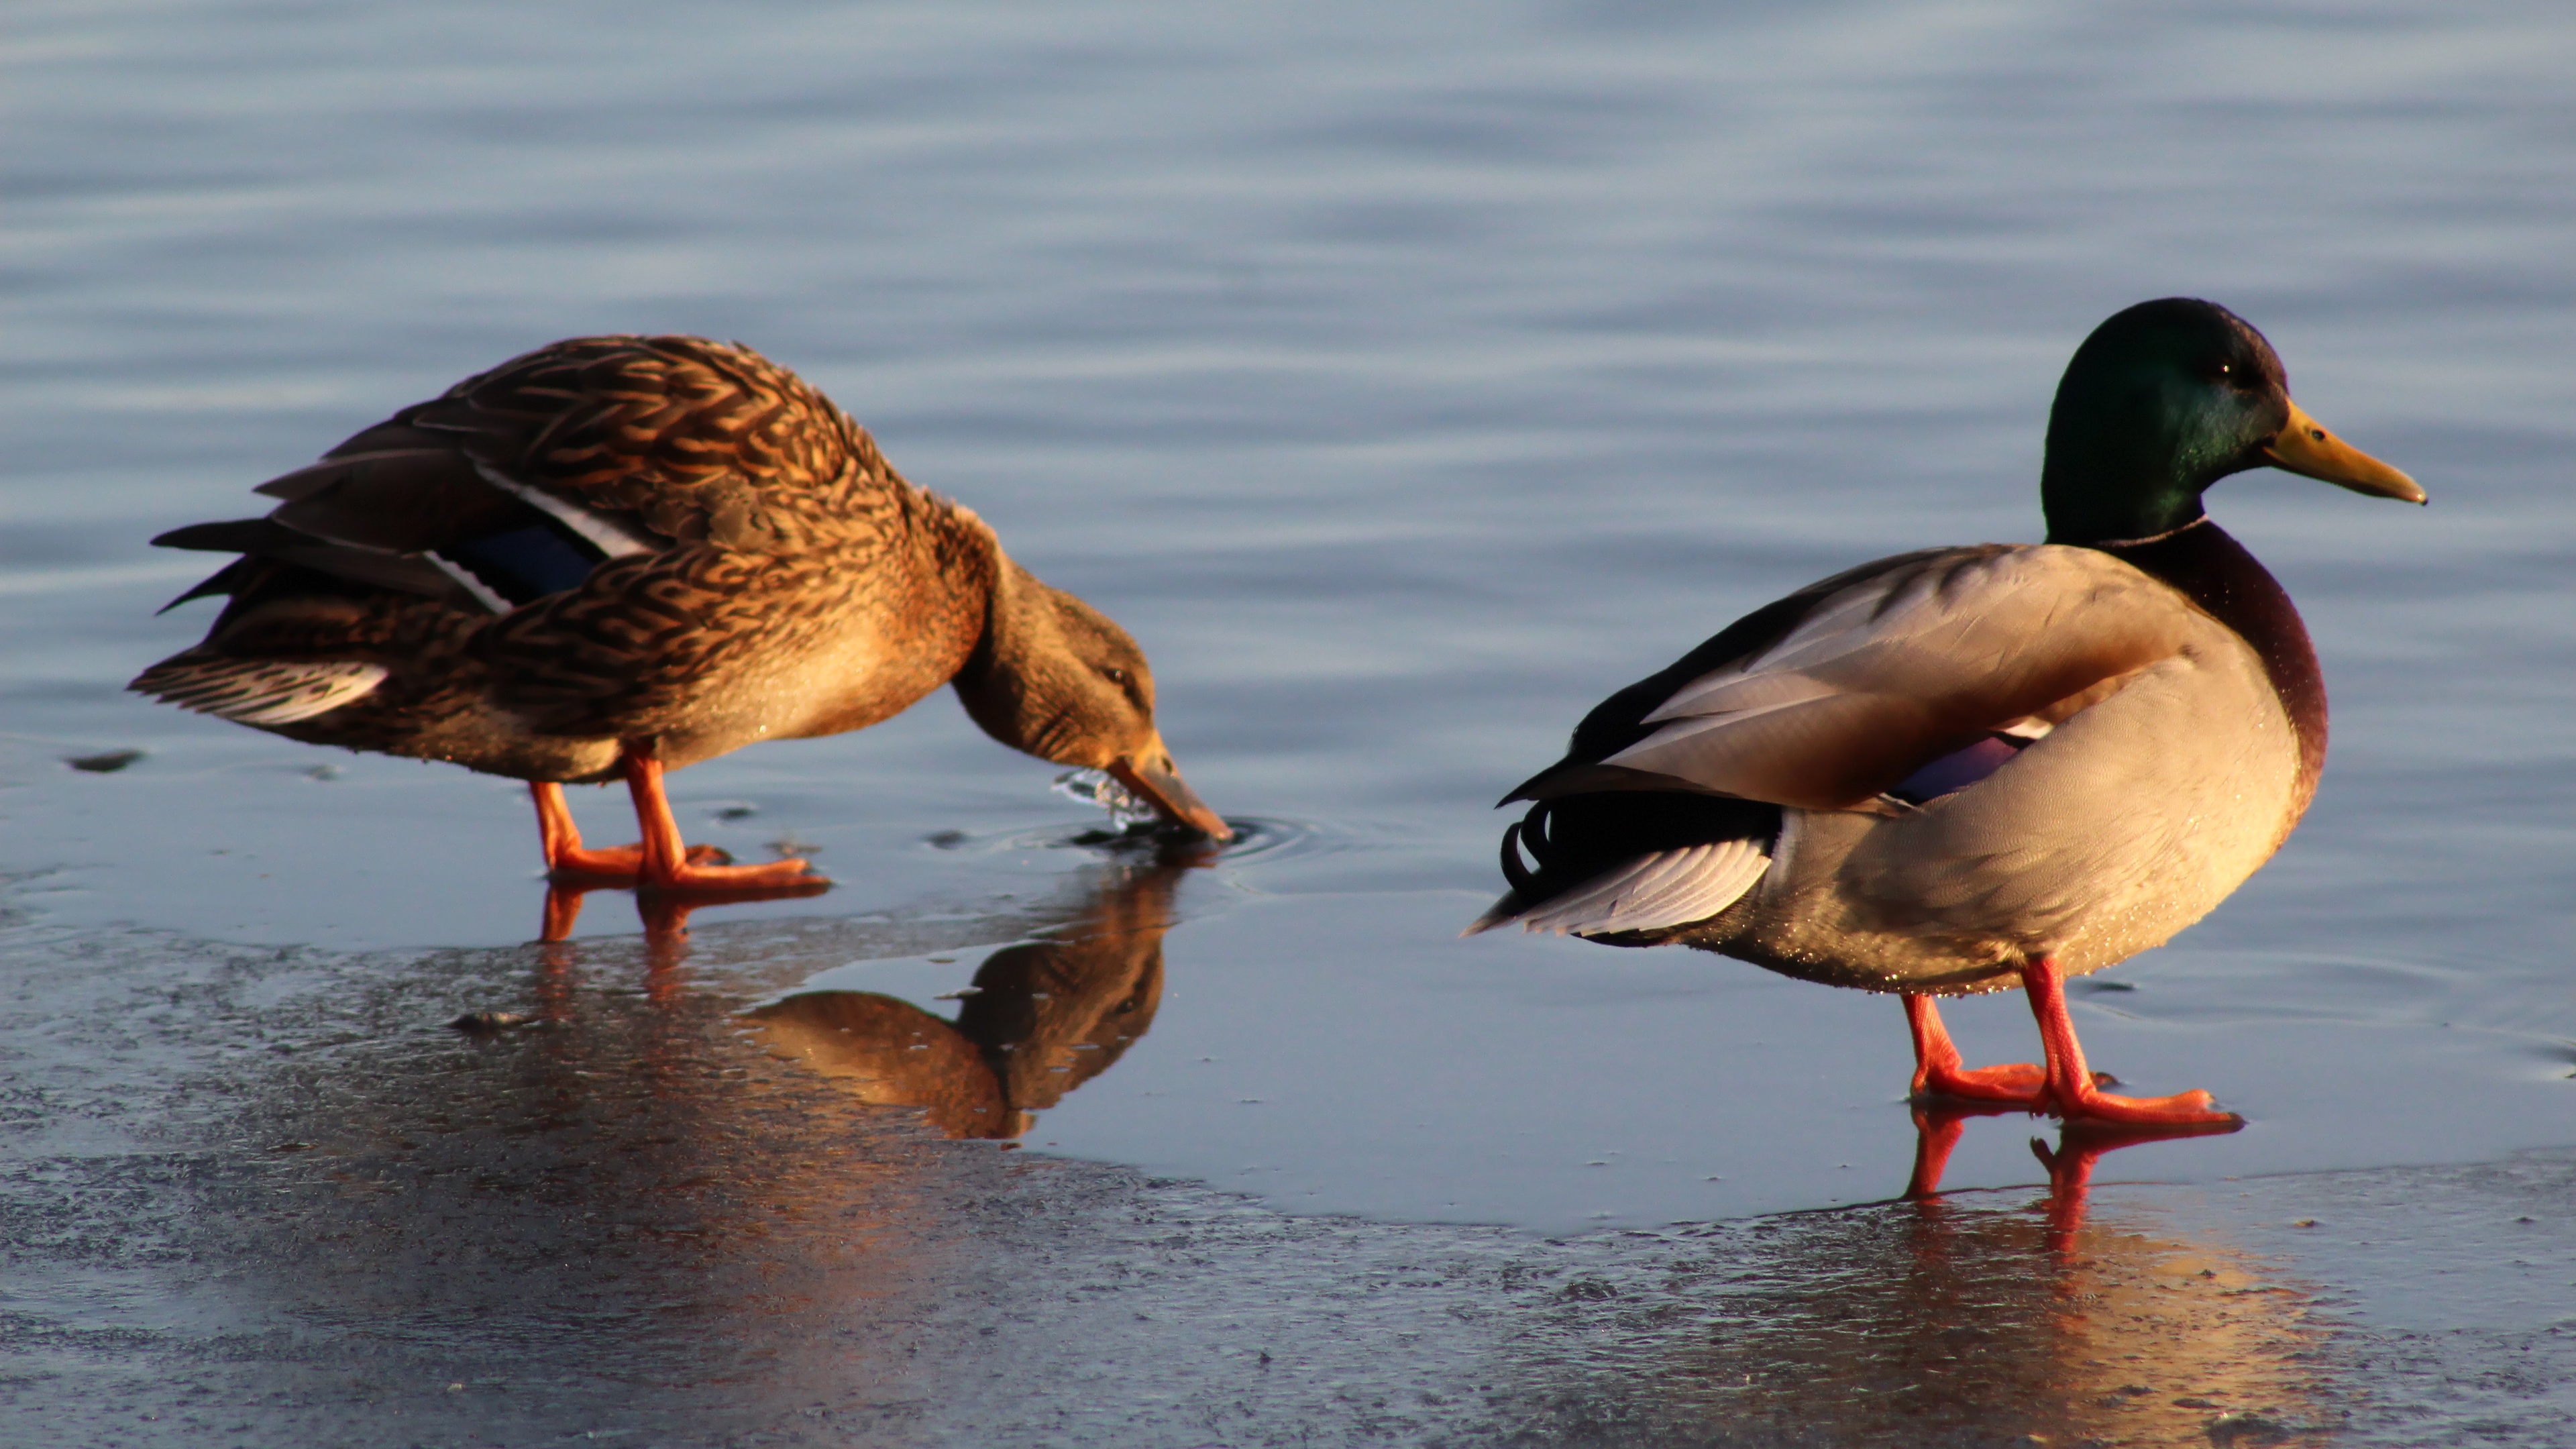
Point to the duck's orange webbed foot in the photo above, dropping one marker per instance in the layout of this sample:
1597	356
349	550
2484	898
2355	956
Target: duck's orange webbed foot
2087	1104
2074	1094
1940	1075
618	865
2011	1084
790	877
669	865
570	863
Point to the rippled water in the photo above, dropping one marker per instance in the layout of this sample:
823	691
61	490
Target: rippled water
1405	379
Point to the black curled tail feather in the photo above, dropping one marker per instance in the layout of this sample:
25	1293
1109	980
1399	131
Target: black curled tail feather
1532	829
1574	839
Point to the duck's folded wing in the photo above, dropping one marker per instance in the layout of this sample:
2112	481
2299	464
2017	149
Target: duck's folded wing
517	482
646	641
1876	673
432	495
673	438
417	522
266	538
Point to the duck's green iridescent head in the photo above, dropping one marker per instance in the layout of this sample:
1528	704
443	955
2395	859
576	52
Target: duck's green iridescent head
2167	398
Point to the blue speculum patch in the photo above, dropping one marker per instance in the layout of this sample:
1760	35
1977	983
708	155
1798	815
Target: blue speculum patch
528	563
1958	770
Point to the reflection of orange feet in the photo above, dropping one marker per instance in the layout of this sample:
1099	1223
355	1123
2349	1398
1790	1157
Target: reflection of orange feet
2075	1094
2070	1185
1938	1126
563	912
1936	1131
666	913
2081	1144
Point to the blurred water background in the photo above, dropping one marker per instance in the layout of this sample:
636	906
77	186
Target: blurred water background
1405	379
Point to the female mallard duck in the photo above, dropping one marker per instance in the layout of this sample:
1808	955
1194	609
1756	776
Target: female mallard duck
615	556
1950	770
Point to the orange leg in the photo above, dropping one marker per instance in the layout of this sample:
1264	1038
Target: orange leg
576	864
561	838
1938	1071
669	865
2072	1092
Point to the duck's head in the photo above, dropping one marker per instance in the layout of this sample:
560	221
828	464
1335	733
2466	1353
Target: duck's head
1059	679
2167	398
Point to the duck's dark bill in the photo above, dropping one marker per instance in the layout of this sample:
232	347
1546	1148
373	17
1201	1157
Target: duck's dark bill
1160	785
2303	446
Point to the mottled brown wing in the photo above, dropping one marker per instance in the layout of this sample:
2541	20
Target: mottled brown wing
1905	666
699	440
652	641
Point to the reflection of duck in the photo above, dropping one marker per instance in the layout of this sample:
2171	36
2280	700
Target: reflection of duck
1970	768
615	556
1940	1322
1044	1017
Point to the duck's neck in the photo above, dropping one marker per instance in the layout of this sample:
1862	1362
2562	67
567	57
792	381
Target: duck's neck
1002	675
2090	514
2128	457
2214	571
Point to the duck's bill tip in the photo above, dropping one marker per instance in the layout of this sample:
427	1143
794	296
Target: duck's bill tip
1162	787
2305	447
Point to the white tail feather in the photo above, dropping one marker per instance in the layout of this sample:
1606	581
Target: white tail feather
268	691
1653	892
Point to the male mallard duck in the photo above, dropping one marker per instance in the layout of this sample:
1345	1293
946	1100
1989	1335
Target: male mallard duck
615	556
1950	770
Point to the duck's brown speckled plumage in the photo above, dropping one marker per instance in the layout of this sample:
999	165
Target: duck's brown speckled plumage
754	569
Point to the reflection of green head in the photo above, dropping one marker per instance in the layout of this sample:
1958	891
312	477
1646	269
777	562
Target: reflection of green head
2165	399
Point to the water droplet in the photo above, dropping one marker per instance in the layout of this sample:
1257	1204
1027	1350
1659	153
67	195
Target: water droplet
1097	788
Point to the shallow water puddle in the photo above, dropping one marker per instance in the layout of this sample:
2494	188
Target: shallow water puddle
1345	1054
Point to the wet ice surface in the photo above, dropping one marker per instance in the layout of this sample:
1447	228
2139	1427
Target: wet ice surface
1404	383
269	1196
